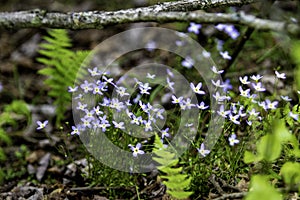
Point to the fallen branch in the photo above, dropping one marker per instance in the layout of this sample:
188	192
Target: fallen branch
99	19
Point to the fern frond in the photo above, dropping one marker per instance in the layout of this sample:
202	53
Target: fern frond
61	69
175	181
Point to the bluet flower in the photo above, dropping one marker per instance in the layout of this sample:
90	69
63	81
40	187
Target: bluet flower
202	150
256	78
234	118
177	100
122	91
217	83
216	71
188	62
194	28
151	45
244	93
150	76
41	125
271	105
197	89
225	55
258	87
280	75
74	89
119	125
286	98
232	140
222	111
294	116
202	106
164	133
94	72
244	80
76	130
136	150
253	112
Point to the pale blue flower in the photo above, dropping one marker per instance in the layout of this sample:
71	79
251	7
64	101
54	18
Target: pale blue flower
222	111
136	150
232	140
258	87
86	86
253	112
122	91
148	125
194	28
234	118
203	152
294	116
81	106
150	76
188	62
177	100
41	125
76	130
217	83
74	89
244	93
271	105
280	75
225	55
151	45
94	72
197	89
202	106
119	125
256	78
216	71
286	98
226	85
244	80
164	133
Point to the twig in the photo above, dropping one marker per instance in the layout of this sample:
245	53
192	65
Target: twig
213	180
231	196
149	187
238	49
101	188
225	184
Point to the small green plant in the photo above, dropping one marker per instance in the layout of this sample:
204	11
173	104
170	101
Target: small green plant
9	117
269	149
174	178
62	65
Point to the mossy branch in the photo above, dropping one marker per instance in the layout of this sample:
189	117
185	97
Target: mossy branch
162	13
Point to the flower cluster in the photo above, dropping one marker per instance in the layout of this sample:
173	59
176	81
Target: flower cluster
133	107
243	105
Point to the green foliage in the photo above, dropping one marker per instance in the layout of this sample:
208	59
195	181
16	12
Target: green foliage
61	69
295	53
291	174
269	146
269	149
12	112
260	188
175	181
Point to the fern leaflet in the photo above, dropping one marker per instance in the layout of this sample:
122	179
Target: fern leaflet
62	65
175	181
